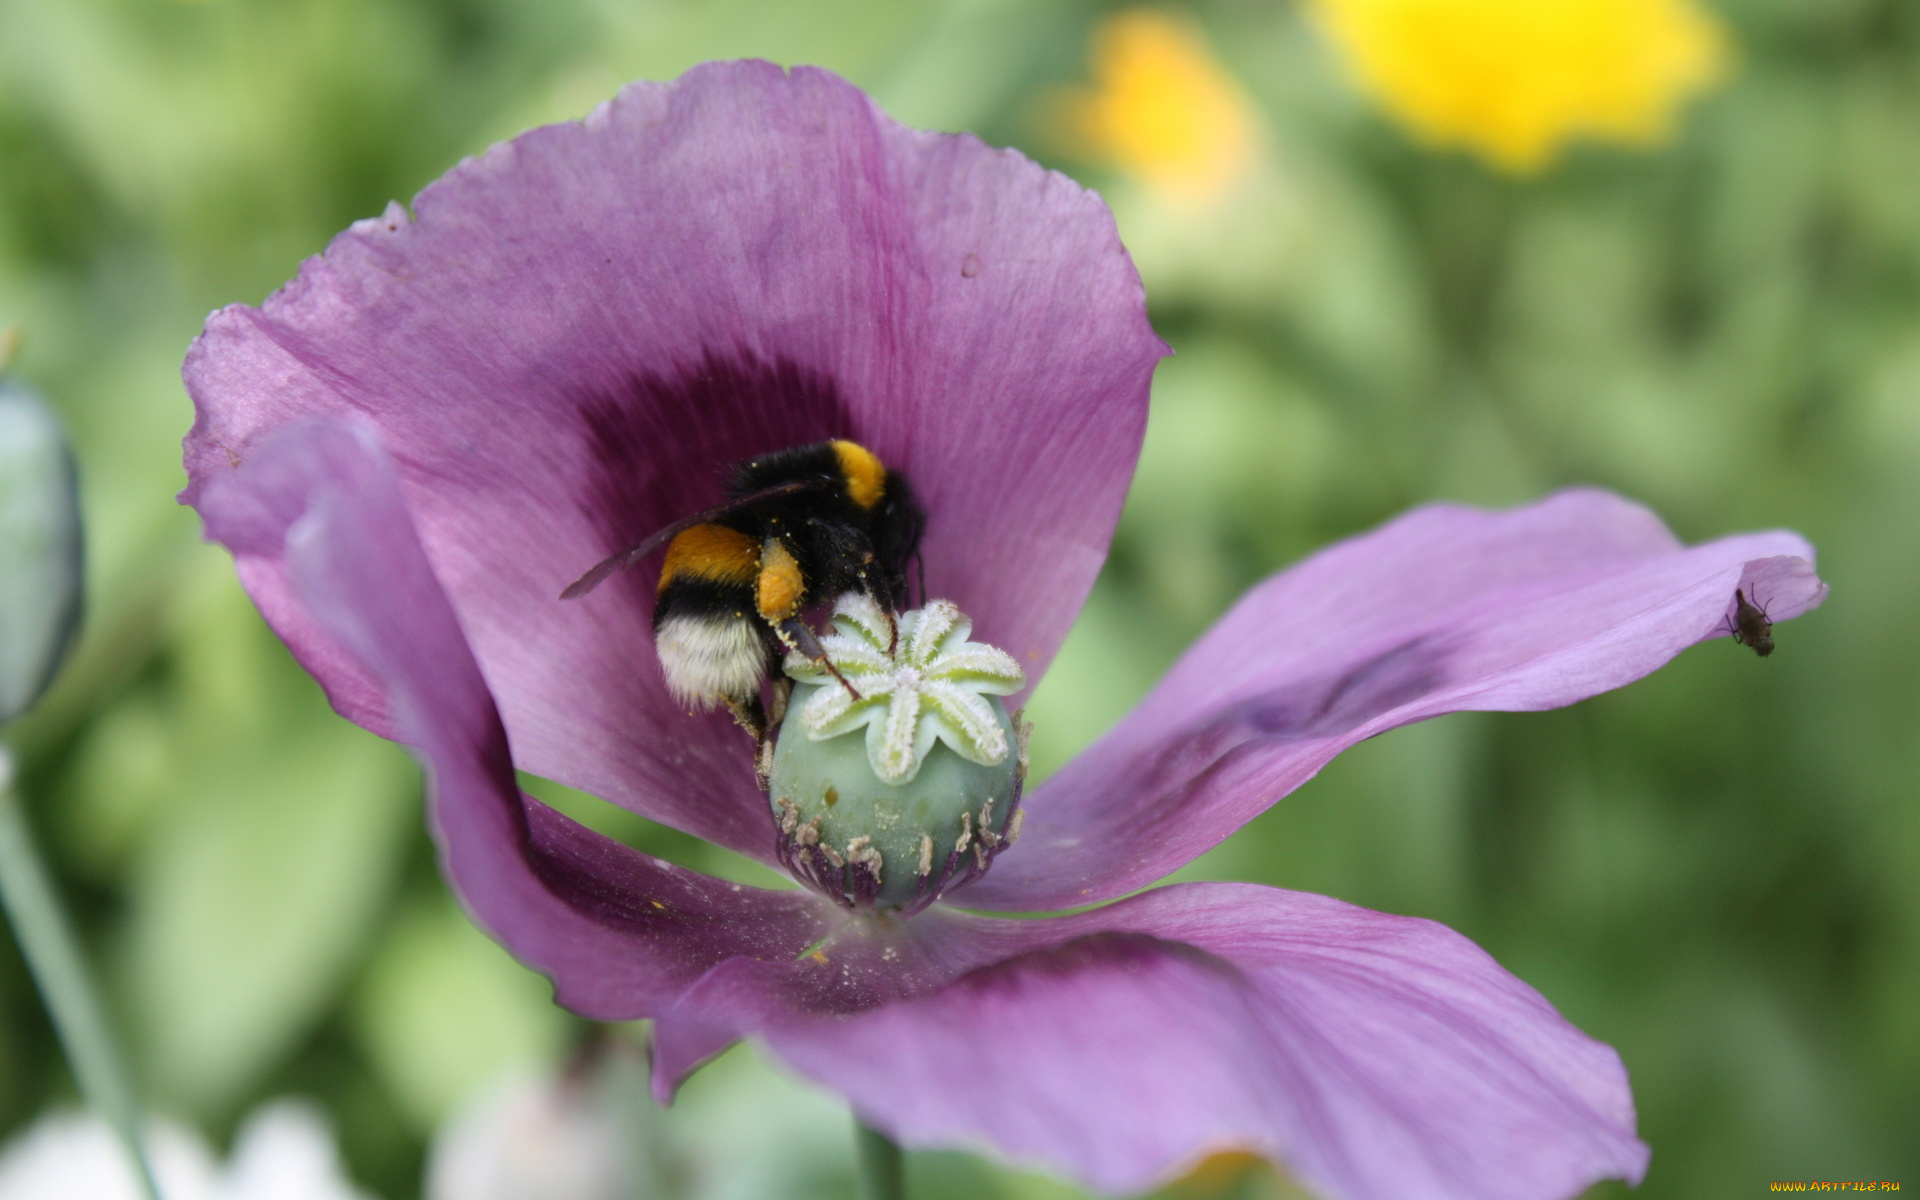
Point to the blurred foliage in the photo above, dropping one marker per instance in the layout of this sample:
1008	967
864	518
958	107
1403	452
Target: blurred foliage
1717	870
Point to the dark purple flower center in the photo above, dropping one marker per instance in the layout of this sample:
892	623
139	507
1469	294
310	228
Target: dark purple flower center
662	442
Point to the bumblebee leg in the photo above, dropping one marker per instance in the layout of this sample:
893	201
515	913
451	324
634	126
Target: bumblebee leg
879	590
794	632
780	690
748	715
763	764
882	596
879	594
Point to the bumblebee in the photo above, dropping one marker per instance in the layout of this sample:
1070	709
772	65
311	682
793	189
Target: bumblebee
798	527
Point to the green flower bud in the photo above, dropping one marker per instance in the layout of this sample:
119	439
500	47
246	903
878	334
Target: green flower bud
39	548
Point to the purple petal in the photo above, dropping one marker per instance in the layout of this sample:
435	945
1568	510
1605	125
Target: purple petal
619	933
1380	1057
1442	610
582	327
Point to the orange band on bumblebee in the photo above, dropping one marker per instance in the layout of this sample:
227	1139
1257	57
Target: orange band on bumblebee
711	552
866	478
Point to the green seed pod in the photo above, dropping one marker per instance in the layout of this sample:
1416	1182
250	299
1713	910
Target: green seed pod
897	775
40	548
883	844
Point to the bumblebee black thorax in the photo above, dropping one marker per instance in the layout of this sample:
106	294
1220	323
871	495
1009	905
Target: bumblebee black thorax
798	528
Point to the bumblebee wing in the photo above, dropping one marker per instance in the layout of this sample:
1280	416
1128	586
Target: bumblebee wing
609	567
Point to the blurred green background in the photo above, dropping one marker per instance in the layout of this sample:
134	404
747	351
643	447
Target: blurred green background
1716	870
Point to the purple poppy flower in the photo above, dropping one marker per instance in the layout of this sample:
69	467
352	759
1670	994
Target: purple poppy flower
415	445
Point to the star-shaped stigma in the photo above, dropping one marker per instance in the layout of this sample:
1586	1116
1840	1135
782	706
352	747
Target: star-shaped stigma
919	680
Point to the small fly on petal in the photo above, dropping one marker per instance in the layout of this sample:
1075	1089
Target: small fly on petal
1750	625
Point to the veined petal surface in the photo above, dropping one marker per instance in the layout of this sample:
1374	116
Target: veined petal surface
619	933
577	332
1380	1057
1444	609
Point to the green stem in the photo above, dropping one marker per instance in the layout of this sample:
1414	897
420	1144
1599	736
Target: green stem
52	954
883	1169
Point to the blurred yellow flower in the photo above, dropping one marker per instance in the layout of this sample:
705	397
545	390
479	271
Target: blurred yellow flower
1162	108
1514	80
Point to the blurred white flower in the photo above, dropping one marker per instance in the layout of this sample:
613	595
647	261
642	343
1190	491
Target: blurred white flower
532	1139
740	1130
75	1156
285	1151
